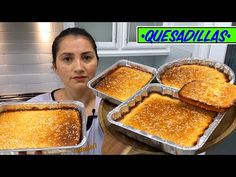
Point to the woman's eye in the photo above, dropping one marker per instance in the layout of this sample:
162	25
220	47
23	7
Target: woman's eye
87	58
67	59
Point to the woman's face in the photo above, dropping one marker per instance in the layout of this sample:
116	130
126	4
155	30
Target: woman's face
76	62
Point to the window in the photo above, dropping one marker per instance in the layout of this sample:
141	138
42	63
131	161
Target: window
119	38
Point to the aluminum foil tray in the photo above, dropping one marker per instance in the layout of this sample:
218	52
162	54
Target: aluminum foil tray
116	114
220	66
93	82
22	106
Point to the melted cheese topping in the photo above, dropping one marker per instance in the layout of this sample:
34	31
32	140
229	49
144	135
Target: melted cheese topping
177	76
123	82
39	128
169	119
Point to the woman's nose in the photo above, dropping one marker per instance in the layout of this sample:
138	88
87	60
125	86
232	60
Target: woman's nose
79	66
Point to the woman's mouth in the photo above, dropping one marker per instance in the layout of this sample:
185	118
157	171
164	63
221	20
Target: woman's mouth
80	78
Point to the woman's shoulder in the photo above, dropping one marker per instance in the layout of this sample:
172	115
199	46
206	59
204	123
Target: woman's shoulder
41	97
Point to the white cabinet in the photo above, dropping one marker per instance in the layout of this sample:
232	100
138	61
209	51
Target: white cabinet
119	38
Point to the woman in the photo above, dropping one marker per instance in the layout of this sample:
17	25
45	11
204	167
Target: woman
75	61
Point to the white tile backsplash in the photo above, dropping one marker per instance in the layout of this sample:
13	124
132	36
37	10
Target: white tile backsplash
44	58
30	78
42	87
1	59
27	37
3	80
12	88
14	37
6	48
40	68
25	57
28	26
11	69
18	26
20	59
36	48
25	48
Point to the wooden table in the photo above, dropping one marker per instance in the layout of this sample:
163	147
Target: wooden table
117	143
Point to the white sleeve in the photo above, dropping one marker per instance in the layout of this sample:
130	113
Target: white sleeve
41	97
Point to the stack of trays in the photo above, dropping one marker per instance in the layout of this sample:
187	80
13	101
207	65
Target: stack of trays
164	122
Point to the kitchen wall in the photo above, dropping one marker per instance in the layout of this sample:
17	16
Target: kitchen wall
25	57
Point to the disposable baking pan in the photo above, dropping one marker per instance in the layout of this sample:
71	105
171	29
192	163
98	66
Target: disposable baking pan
116	114
205	62
93	82
31	106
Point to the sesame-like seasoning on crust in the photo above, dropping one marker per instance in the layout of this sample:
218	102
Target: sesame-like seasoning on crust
39	128
177	76
169	119
123	82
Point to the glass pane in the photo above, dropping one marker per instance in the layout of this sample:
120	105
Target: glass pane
133	25
101	31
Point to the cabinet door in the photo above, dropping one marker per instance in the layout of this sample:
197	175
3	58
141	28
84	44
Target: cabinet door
130	32
104	33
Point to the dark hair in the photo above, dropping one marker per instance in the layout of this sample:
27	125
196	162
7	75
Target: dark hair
71	31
